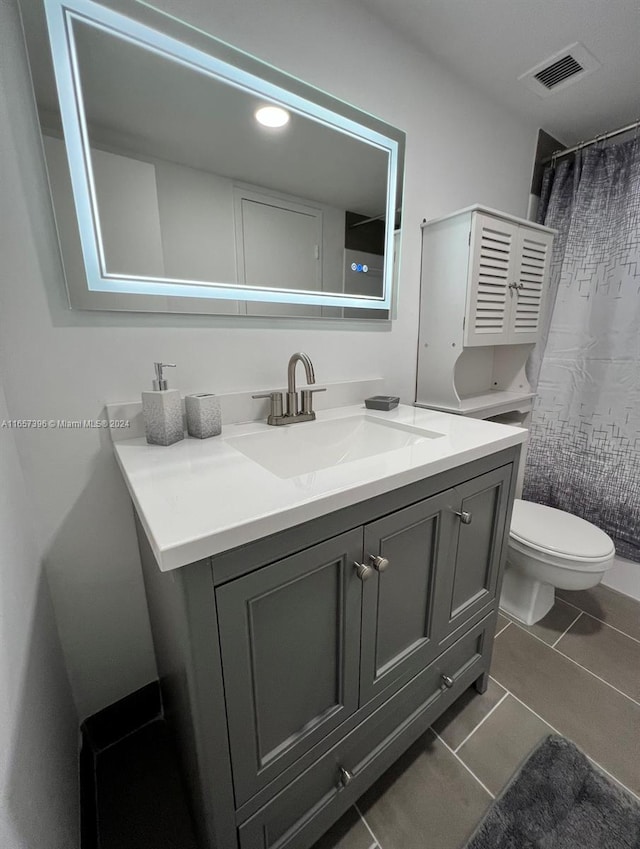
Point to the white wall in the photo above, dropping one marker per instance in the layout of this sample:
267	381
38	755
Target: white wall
38	723
461	149
196	220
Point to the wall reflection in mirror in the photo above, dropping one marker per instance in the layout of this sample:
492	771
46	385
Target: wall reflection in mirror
176	190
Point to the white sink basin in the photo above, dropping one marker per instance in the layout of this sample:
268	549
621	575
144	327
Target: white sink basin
291	450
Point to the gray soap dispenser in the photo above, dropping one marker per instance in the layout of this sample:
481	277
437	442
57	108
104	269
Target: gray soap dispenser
162	410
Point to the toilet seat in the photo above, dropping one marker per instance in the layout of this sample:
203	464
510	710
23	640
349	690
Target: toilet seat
558	538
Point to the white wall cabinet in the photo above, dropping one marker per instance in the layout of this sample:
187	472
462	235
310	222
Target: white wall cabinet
485	275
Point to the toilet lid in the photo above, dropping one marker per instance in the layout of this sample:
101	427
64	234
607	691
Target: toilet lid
555	531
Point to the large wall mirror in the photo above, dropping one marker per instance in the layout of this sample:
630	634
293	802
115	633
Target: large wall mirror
187	176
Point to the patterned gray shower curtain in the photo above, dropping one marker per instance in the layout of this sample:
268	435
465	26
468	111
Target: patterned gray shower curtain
584	448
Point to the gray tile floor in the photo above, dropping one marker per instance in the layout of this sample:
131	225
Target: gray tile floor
576	673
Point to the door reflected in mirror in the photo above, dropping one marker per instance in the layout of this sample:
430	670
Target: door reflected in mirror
201	185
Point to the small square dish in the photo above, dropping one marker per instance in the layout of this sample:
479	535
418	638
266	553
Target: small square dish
382	402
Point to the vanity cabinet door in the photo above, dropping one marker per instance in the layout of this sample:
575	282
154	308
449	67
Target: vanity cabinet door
479	507
407	550
290	644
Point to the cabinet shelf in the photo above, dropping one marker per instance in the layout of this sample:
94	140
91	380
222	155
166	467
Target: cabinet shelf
486	404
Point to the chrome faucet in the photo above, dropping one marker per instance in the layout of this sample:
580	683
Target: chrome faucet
292	394
294	412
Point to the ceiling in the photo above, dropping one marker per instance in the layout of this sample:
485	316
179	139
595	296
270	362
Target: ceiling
490	43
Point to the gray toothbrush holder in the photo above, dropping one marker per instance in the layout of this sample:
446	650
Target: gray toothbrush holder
204	415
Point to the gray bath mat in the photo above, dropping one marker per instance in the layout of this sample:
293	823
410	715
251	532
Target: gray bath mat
559	801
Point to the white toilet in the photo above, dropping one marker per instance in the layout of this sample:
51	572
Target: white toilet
549	548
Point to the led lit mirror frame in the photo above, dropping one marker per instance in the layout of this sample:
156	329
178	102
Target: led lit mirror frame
153	30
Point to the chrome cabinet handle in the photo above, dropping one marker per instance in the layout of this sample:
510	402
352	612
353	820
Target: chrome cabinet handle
465	517
379	563
363	571
346	777
448	681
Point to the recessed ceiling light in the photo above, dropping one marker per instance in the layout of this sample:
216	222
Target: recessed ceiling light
272	116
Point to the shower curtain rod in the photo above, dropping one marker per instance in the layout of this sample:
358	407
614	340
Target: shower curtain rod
557	154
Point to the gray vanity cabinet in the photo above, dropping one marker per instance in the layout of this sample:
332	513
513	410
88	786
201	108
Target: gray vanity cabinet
290	643
297	668
309	639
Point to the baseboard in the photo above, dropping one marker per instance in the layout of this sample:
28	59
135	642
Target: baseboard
624	577
102	730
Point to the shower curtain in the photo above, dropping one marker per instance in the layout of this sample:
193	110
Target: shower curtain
584	449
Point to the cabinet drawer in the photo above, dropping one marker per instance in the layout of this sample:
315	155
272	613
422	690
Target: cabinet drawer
307	807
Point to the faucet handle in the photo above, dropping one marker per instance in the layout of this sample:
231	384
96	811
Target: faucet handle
276	403
307	399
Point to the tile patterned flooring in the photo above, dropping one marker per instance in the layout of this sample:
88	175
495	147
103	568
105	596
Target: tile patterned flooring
577	673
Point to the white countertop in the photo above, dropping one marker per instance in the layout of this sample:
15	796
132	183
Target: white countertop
198	497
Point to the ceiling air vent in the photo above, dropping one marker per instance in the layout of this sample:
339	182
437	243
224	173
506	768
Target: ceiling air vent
560	70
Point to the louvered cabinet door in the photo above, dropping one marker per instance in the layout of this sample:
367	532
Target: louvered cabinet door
531	278
492	269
